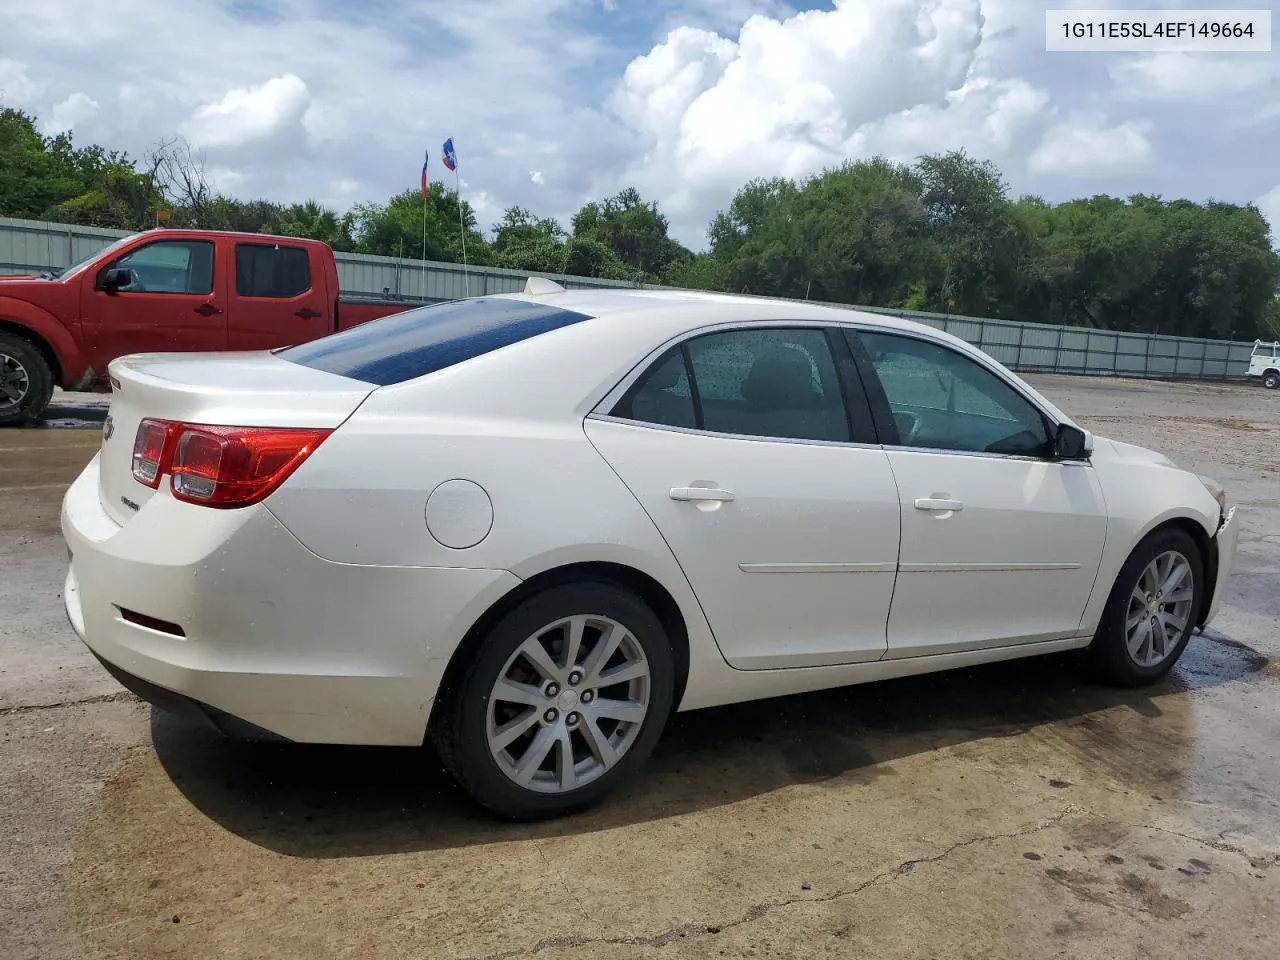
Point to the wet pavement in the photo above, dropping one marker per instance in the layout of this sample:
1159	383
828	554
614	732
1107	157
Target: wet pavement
1016	810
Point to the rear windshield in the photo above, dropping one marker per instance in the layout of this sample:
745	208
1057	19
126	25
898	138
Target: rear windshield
417	342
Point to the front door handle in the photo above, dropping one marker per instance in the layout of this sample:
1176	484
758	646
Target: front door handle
700	493
940	506
207	309
306	313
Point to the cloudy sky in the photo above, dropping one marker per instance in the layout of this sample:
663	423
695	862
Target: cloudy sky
552	102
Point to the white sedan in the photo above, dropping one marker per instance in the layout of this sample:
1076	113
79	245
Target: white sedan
527	528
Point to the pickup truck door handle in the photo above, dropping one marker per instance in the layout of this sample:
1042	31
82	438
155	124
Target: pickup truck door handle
939	506
207	309
306	313
700	493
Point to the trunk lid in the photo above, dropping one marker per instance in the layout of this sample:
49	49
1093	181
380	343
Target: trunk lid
231	389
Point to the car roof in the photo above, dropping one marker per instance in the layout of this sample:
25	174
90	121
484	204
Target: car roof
690	309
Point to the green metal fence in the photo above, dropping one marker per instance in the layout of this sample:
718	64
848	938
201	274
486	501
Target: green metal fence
28	246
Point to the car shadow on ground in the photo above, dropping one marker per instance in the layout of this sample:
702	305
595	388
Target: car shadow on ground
322	801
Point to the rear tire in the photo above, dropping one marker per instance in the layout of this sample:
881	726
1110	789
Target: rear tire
1152	610
522	705
26	381
1271	379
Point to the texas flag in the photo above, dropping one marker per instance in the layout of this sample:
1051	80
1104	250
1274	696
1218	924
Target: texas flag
450	158
426	157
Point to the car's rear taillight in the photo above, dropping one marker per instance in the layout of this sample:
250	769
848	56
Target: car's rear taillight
152	445
237	466
219	466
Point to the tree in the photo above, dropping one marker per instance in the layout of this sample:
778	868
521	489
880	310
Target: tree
522	241
48	178
177	171
633	231
395	229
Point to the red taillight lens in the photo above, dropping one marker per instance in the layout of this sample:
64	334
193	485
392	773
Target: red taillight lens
220	466
237	466
151	448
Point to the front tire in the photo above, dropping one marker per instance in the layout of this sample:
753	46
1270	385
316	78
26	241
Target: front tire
26	381
1152	610
1271	379
564	699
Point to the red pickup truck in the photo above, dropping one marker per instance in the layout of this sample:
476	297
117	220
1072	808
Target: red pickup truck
166	290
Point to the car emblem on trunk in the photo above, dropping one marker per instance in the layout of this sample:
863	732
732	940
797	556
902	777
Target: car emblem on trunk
108	428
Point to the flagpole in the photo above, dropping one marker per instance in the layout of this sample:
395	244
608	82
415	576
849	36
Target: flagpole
462	227
426	193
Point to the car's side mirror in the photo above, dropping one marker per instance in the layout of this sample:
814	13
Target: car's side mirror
1071	443
113	278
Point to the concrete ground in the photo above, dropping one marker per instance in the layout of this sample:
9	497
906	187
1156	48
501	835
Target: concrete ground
1012	811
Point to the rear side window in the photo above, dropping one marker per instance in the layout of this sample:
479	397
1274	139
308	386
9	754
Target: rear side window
269	270
771	383
662	396
414	343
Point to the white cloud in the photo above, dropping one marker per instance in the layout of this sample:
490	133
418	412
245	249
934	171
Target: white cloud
246	114
1189	76
16	88
987	117
535	176
1085	147
792	95
67	113
225	179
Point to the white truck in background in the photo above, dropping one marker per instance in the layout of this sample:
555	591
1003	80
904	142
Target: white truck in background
1264	362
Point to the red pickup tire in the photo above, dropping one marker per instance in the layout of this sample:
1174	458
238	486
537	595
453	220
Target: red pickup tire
26	381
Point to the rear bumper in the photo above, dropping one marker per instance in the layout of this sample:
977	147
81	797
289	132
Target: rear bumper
268	633
1227	538
193	711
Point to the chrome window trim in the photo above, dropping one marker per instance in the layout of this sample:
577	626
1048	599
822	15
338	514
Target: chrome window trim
694	431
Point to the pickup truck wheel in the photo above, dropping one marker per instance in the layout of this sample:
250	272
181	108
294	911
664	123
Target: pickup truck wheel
1271	379
26	381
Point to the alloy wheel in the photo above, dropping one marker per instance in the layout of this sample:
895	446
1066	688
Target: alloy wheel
1159	609
15	382
568	704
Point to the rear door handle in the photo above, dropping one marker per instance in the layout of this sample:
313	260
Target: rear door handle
700	493
207	309
940	506
306	313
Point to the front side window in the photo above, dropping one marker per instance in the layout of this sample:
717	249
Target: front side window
273	270
942	400
170	266
769	383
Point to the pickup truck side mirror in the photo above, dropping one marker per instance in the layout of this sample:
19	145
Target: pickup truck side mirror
1071	443
113	278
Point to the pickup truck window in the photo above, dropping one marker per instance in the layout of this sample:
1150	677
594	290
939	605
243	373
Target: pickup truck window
271	270
411	344
170	266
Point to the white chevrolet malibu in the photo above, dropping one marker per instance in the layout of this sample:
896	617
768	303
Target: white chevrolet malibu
527	528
